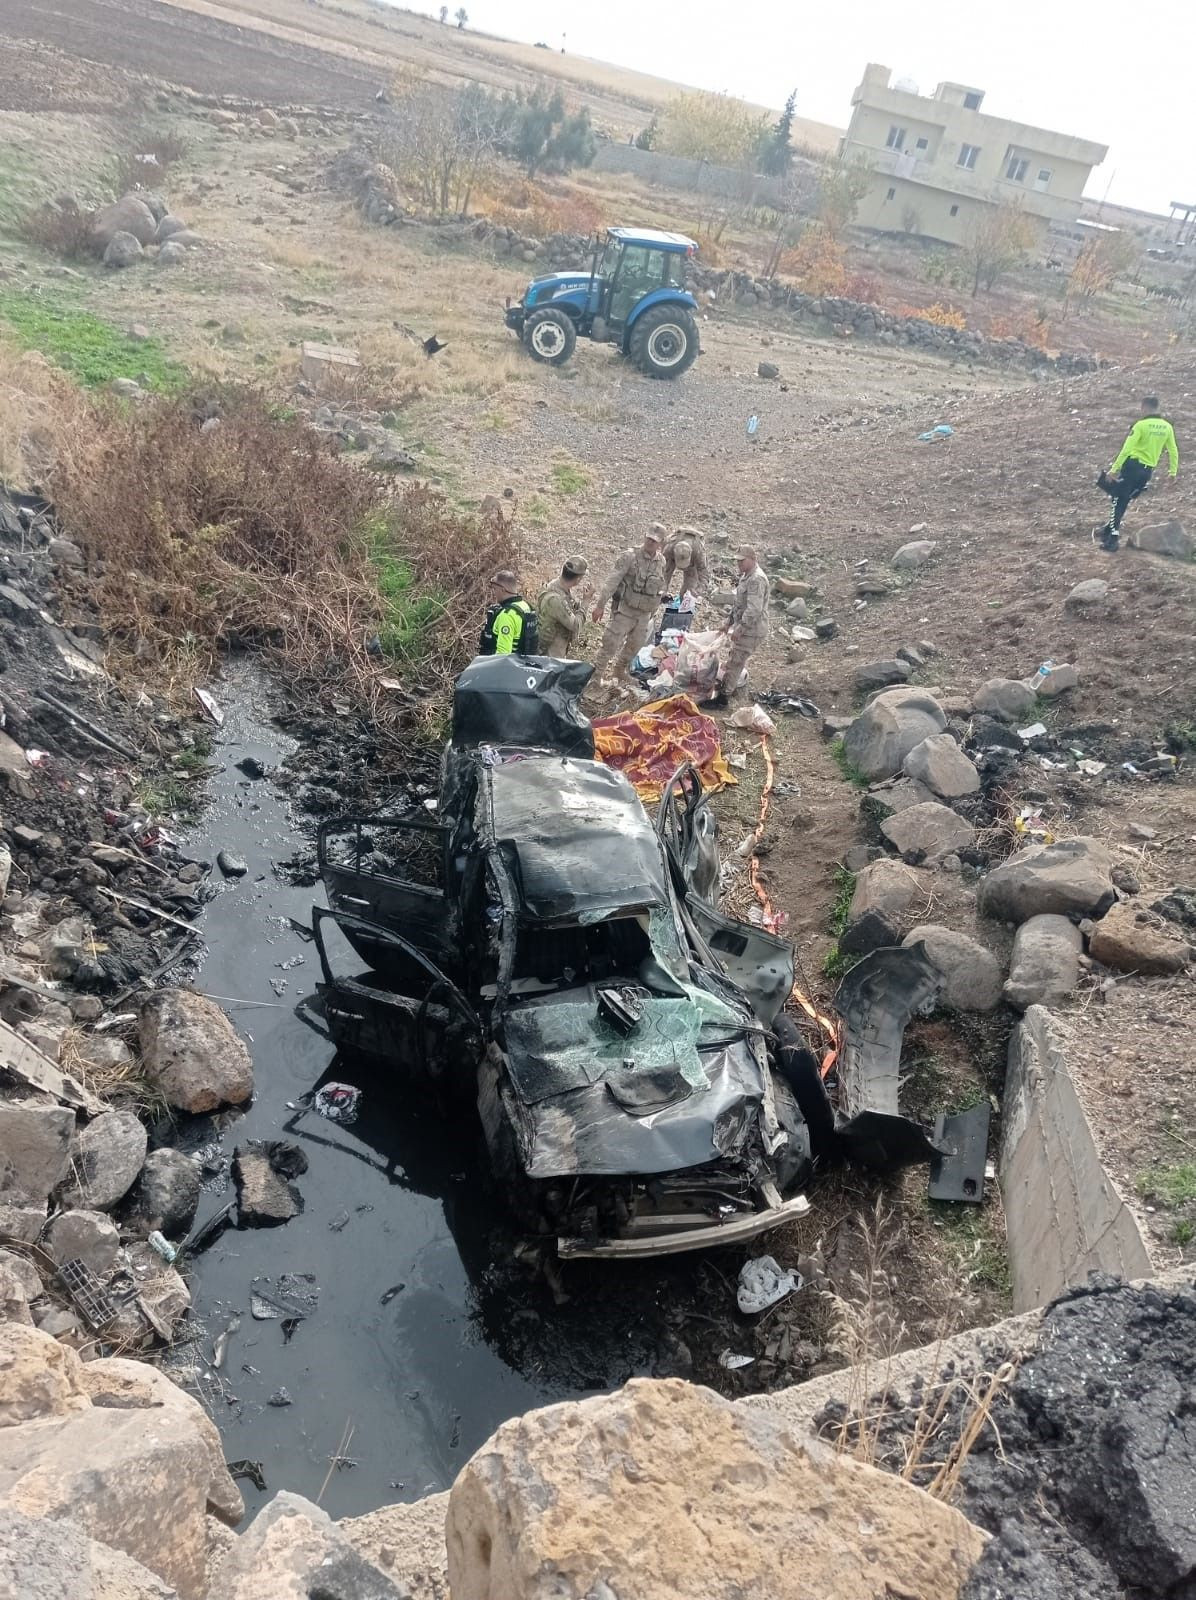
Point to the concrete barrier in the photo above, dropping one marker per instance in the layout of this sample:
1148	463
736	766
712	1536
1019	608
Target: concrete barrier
1063	1213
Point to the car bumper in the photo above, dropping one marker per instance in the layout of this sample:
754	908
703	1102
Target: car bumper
674	1241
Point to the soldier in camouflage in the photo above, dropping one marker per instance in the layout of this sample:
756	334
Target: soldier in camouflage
636	588
748	627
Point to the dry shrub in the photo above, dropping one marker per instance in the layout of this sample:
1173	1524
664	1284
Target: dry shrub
942	316
60	228
42	413
863	286
535	210
816	262
1030	327
258	533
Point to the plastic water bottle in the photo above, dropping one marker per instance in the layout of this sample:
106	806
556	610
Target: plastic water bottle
162	1245
1041	676
753	424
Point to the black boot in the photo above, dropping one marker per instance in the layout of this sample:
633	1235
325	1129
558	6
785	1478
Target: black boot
1111	540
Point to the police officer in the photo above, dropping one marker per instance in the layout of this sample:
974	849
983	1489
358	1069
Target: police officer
510	622
559	612
748	625
636	587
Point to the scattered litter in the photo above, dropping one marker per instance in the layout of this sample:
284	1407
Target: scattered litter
220	1343
733	1362
389	1294
211	709
789	704
738	761
338	1102
248	1469
37	758
302	929
1030	822
280	1397
1034	731
291	1296
87	1294
340	1222
1092	768
942	430
162	1245
753	426
1128	766
762	1283
802	635
755	718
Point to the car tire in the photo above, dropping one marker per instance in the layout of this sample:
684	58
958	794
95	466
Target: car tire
550	336
664	341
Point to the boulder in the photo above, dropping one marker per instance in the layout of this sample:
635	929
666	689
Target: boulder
887	886
135	1480
1045	965
192	1052
39	1377
14	1296
1057	681
881	674
264	1196
87	1236
116	1383
1005	698
883	799
130	215
1070	878
666	1491
56	1561
888	728
1165	539
792	588
768	369
929	831
941	765
185	239
63	947
24	1272
166	1195
172	254
1129	938
874	930
1091	592
406	1542
23	1223
34	1150
914	554
105	1161
123	250
292	1550
971	974
168	227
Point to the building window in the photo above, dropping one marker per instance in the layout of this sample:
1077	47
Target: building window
967	155
922	144
896	139
972	101
1043	180
1016	169
954	211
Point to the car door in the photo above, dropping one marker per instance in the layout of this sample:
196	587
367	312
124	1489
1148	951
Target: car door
757	962
391	875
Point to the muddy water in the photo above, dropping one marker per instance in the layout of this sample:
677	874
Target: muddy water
428	1332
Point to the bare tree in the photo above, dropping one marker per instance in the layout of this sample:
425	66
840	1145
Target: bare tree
439	140
444	11
998	239
462	16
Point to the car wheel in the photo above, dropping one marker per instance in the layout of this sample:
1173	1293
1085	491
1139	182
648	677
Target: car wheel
550	336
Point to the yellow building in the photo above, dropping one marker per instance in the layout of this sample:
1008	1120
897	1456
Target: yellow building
937	161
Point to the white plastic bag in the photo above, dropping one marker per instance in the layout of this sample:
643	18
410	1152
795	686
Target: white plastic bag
755	718
698	663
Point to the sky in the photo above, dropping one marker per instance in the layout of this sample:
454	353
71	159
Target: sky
1116	74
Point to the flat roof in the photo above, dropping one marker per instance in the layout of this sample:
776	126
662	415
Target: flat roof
660	238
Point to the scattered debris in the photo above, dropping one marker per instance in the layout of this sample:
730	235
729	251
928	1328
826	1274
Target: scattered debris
339	1102
762	1283
290	1297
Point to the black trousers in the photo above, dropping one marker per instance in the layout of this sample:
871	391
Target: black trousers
1134	477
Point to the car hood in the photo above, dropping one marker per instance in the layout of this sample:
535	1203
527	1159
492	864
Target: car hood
684	1088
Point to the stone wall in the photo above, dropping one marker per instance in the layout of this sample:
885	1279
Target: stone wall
702	177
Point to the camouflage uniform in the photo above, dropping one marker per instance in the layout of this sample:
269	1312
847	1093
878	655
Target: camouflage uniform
693	577
749	616
561	616
635	584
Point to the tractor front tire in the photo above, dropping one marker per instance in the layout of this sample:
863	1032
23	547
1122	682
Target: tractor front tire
550	336
664	341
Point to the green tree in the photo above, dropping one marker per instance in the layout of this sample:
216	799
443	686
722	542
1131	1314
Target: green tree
462	16
538	131
776	155
712	127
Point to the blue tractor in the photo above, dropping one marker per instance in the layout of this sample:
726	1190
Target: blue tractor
633	296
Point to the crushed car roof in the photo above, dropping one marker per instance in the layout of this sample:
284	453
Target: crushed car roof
579	843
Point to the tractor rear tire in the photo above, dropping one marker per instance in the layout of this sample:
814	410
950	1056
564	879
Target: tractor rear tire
664	341
550	336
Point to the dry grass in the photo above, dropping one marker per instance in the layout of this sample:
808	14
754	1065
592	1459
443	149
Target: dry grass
42	414
125	1085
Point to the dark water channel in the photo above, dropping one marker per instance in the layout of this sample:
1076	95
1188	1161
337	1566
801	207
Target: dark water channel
428	1332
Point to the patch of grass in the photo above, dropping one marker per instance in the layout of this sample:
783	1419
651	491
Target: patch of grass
496	421
1183	1233
841	905
170	794
537	512
93	351
409	613
846	766
568	478
983	1255
837	963
1168	1186
1180	737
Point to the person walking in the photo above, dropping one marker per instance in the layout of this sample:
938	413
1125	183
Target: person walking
635	588
685	565
1129	474
748	627
510	627
559	612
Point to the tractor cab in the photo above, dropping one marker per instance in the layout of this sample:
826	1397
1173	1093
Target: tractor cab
633	296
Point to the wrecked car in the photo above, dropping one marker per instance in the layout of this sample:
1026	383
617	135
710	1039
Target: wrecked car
544	949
